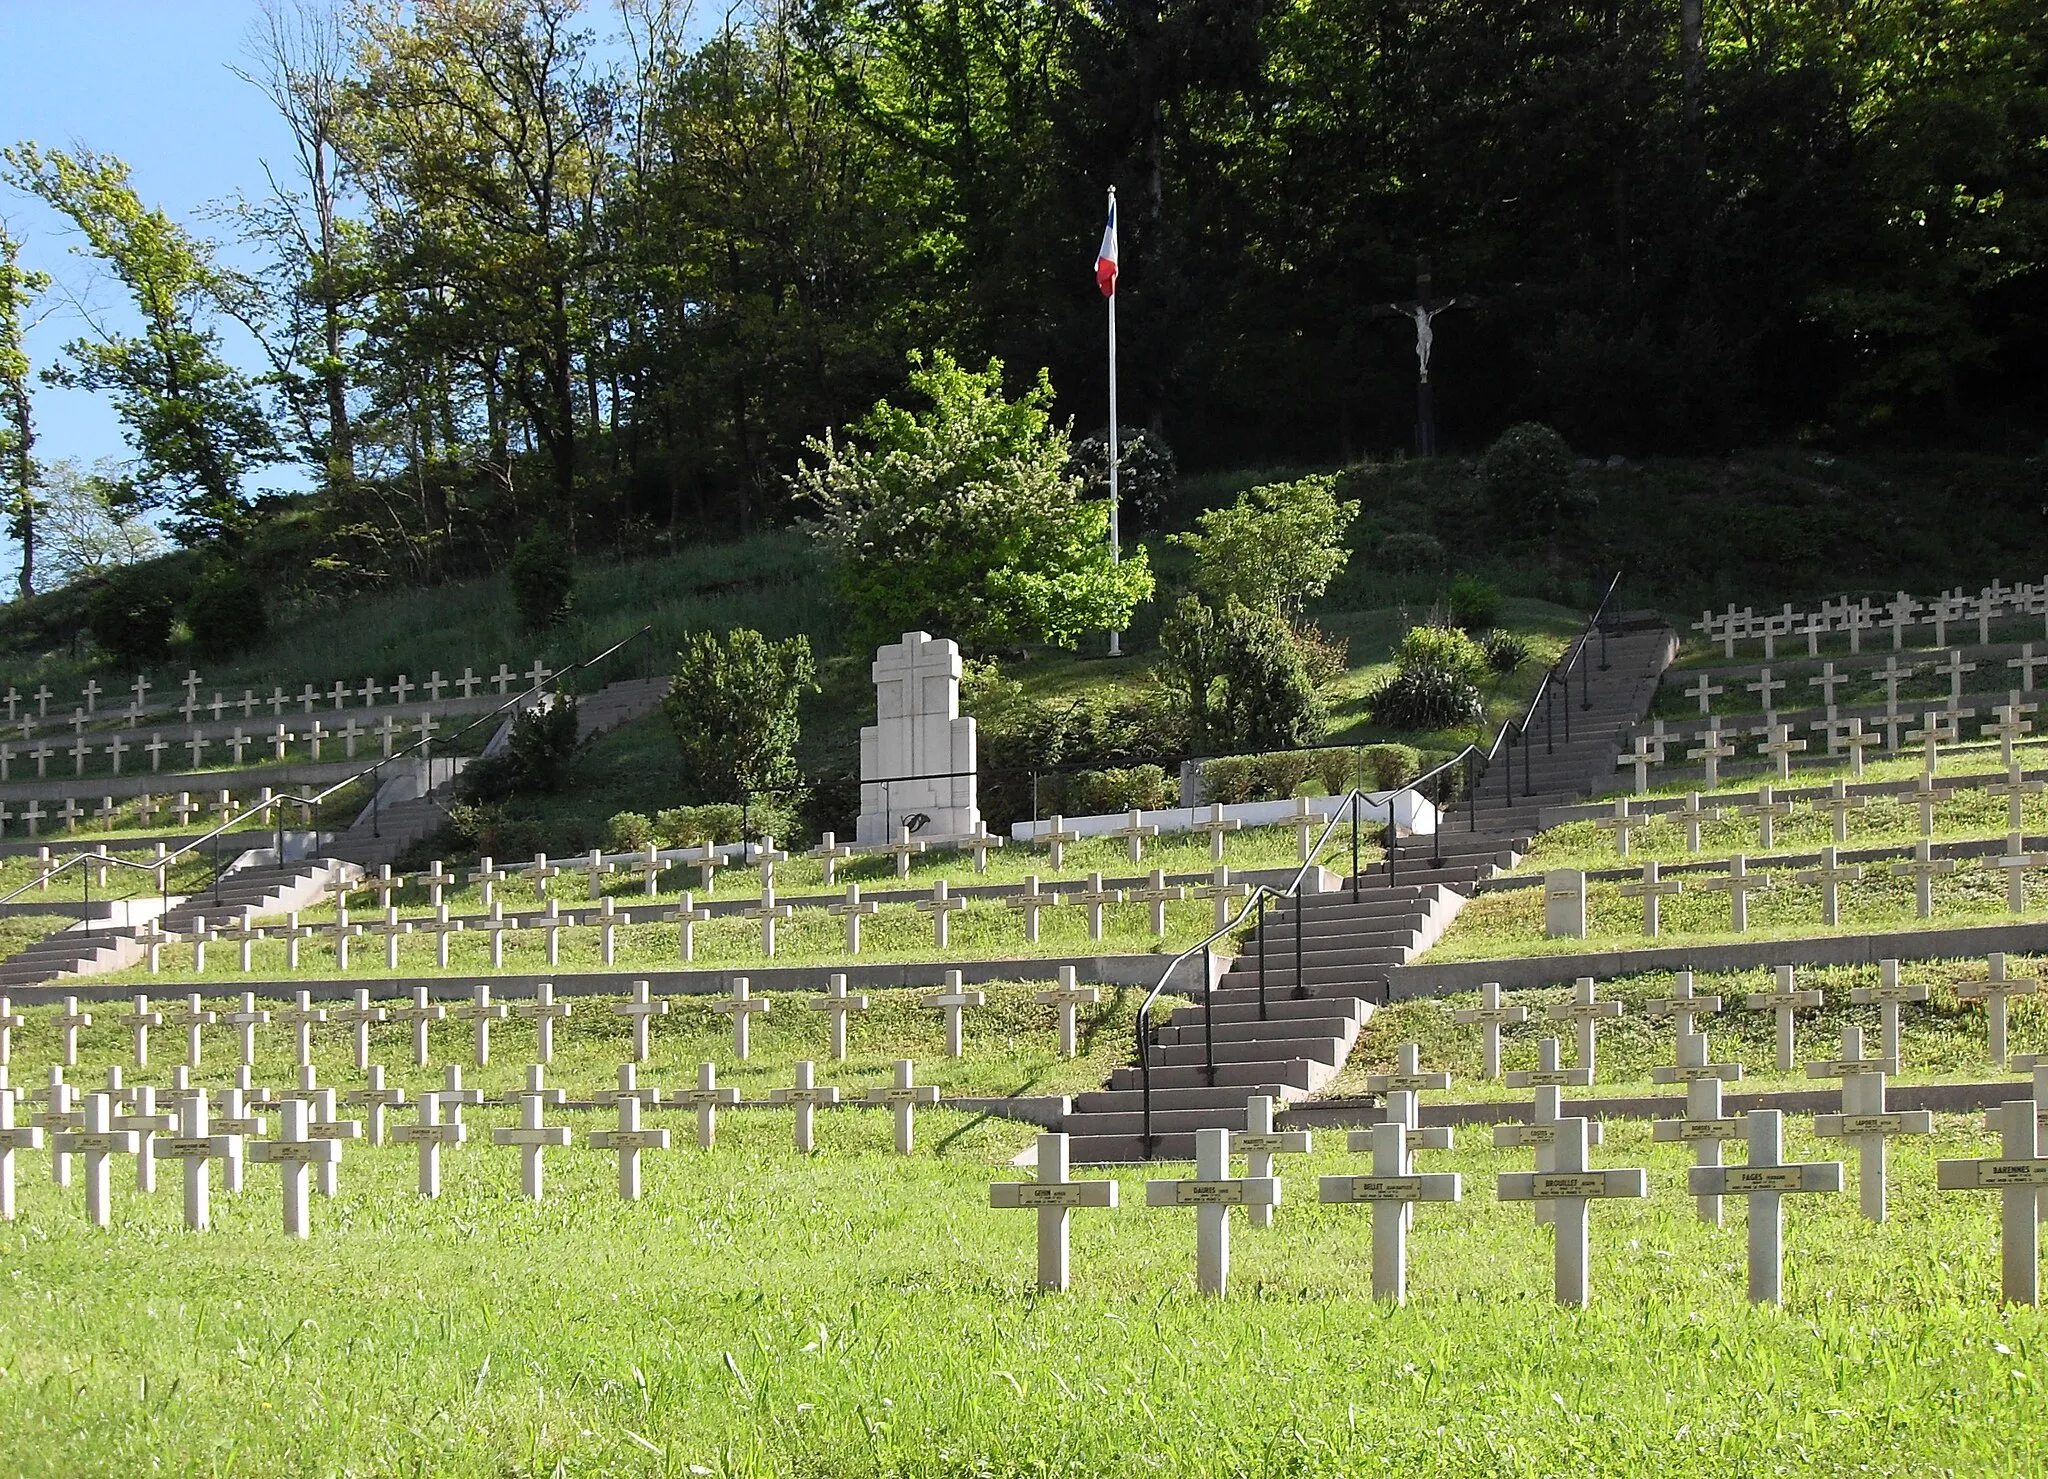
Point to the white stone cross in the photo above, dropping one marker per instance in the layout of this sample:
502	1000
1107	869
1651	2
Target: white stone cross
953	999
838	1006
1705	1125
1095	898
488	875
1684	1006
1213	1192
641	1010
1391	1191
469	682
1065	998
707	861
1767	811
59	1114
146	1124
1585	1011
1645	754
687	916
1621	824
533	1138
374	1098
630	1087
12	1138
1308	825
1954	671
544	1012
1490	1016
1706	690
830	853
1994	991
294	1153
1258	1142
742	1008
1135	831
1763	688
67	1022
193	1020
2009	727
480	1013
497	925
770	914
805	1095
2019	1173
901	1096
391	929
707	1098
2026	662
434	880
198	1147
1785	1001
1865	1118
1818	624
1568	1187
853	911
903	849
1219	889
429	1135
1652	890
941	906
1219	827
343	932
606	921
422	1013
1931	735
649	865
138	1021
1888	995
535	1085
1766	1180
1564	904
540	873
1830	875
1781	747
1926	796
2015	788
628	1141
1056	839
302	1016
1838	803
245	1020
1827	681
11	1021
1053	1196
95	1143
1924	869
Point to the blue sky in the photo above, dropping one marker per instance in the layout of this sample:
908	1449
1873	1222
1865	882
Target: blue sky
147	80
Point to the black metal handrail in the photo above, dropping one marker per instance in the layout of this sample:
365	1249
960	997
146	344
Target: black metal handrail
371	771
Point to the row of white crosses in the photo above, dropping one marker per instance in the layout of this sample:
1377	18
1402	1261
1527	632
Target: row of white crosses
271	745
336	697
1854	618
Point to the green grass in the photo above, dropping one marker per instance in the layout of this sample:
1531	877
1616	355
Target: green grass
1941	1040
860	1313
1010	1044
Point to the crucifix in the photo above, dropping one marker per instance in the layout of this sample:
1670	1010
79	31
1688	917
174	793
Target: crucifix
1422	311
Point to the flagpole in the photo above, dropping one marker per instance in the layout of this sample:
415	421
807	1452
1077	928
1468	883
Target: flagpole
1115	545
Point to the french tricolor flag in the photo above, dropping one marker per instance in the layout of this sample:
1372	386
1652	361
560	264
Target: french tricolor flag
1105	259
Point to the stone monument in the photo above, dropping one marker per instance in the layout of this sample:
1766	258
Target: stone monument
918	732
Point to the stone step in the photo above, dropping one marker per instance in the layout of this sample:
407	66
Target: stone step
1231	1008
1303	1074
1132	1121
1251	1029
1329	1050
1222	1099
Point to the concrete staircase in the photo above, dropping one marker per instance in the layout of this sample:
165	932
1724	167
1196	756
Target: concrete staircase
1292	1037
260	890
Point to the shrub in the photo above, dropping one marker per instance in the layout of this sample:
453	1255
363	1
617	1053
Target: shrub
1442	649
130	618
1505	651
628	831
1231	779
1276	547
1139	787
1410	549
733	707
1425	698
1146	471
225	612
1389	767
1283	772
543	581
1335	769
1527	477
1475	605
694	826
1325	657
1240	676
542	745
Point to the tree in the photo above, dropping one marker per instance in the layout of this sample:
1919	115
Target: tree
19	289
192	418
543	581
1242	677
733	706
964	519
89	526
1277	547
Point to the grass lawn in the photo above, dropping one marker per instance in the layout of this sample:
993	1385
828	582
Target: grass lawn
859	1313
1510	922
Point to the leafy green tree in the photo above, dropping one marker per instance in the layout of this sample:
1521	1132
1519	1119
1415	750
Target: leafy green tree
88	522
193	419
543	581
1242	676
963	519
19	289
733	705
1277	547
